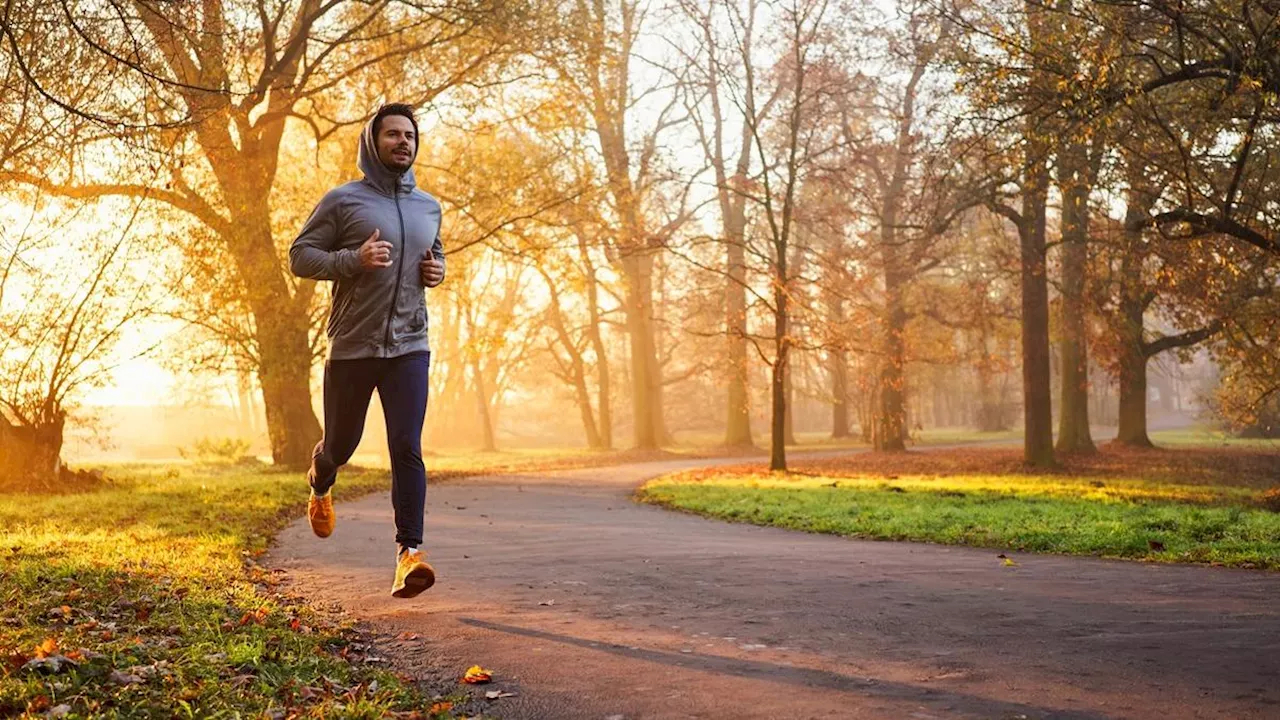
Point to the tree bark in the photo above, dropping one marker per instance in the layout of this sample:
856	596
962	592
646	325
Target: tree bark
891	433
31	455
838	369
1036	375
738	411
490	443
782	344
283	329
1073	418
577	374
638	267
1037	407
1128	321
1133	397
597	345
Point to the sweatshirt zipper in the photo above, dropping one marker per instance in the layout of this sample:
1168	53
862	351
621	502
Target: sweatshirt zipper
395	294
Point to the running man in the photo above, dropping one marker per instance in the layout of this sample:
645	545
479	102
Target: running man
378	240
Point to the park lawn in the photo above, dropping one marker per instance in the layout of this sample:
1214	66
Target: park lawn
149	585
1201	505
1207	437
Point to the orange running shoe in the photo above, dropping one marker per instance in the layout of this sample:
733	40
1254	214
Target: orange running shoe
320	514
413	574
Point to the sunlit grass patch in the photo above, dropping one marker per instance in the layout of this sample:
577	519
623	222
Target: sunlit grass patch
142	599
1165	506
1205	437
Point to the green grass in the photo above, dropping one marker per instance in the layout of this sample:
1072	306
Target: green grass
961	436
153	577
1204	437
1170	512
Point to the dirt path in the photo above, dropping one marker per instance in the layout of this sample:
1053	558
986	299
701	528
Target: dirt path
590	606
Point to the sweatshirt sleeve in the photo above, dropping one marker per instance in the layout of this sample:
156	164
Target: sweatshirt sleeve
315	253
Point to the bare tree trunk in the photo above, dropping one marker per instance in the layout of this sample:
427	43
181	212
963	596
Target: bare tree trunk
1073	419
892	431
284	344
1132	363
638	267
1037	406
597	345
738	412
1128	322
837	362
577	374
778	447
482	406
788	388
657	372
990	405
1133	396
891	425
1036	374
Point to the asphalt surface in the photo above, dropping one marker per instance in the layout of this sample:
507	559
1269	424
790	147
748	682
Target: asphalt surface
588	605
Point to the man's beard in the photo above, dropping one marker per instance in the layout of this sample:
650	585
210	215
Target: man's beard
398	163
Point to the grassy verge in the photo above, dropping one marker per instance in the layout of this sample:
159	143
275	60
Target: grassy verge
142	599
1175	506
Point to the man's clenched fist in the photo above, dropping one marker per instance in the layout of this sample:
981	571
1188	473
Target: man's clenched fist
432	271
375	253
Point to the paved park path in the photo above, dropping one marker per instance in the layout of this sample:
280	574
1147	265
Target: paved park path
588	605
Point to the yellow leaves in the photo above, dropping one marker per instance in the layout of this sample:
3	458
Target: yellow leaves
477	675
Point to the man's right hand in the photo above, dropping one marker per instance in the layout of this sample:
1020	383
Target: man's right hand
375	253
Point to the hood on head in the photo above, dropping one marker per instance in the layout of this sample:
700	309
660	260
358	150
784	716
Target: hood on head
381	176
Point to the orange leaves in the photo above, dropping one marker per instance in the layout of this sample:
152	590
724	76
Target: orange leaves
441	707
477	675
46	648
257	617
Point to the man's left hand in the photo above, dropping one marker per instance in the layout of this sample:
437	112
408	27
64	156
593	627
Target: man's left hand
432	271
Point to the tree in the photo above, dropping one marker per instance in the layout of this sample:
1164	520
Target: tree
220	81
913	185
714	61
593	57
63	315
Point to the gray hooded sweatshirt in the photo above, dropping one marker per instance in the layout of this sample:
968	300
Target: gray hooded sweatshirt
378	313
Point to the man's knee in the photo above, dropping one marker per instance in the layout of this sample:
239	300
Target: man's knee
405	449
334	456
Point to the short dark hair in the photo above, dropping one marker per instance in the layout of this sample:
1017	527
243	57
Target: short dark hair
401	109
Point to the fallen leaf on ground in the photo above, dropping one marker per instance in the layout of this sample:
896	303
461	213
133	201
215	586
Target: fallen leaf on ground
121	678
1008	562
497	694
441	707
47	648
407	636
52	664
477	675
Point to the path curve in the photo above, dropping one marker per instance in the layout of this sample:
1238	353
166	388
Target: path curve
590	606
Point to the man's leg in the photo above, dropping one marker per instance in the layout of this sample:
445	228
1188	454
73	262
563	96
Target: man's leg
348	386
403	392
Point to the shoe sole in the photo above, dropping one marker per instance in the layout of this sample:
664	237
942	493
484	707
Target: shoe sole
417	581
